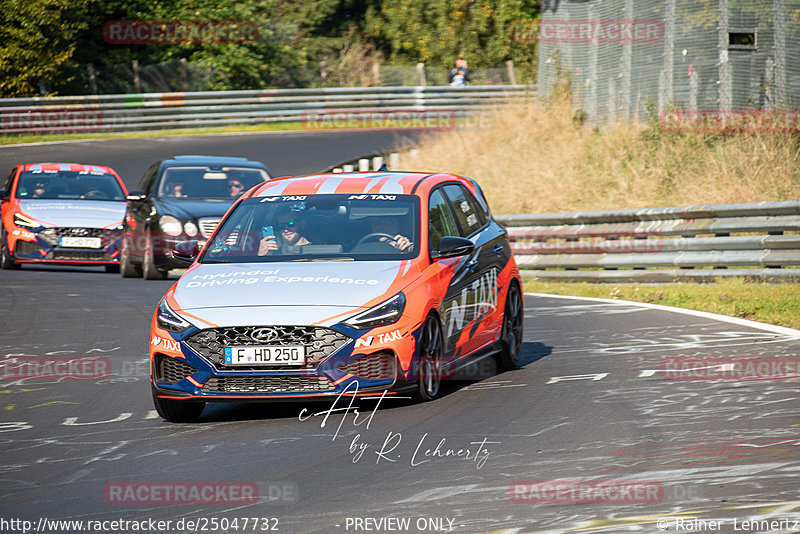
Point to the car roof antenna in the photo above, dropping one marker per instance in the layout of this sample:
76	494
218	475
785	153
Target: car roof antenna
383	168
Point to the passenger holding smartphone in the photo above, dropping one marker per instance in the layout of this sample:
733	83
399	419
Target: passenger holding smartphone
289	236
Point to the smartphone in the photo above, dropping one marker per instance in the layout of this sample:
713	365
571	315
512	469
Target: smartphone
267	231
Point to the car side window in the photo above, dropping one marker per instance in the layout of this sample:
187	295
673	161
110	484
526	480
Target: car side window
470	217
440	219
9	181
146	183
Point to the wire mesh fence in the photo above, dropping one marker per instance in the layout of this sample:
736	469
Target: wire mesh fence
627	60
177	76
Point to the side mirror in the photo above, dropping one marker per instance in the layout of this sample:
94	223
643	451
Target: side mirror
2	194
451	246
185	252
136	195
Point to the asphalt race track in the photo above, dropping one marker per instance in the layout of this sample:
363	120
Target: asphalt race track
591	404
284	153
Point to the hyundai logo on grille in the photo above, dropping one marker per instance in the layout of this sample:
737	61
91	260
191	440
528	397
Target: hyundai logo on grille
264	334
80	231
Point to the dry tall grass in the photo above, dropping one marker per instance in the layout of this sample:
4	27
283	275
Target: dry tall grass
535	159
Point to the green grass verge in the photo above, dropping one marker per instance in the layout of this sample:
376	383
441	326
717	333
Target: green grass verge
17	139
777	304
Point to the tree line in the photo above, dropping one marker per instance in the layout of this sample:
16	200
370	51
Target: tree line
50	47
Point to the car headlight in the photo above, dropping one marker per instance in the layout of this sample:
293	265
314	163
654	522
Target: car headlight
167	319
387	312
25	222
190	229
170	225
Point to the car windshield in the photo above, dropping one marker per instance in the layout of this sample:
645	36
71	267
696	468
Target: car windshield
204	182
318	227
69	185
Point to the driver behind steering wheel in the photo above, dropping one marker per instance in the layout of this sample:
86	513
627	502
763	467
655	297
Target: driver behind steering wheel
388	225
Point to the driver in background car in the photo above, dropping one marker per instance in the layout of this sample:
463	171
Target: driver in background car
174	188
289	238
389	225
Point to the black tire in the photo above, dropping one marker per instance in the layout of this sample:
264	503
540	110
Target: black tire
429	361
508	358
126	267
6	260
178	411
112	268
149	269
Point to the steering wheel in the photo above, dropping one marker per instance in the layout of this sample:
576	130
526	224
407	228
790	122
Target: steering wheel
95	193
373	235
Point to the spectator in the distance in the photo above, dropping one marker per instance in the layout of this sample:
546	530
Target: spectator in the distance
459	74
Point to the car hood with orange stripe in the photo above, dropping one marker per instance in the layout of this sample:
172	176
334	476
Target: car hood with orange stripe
288	293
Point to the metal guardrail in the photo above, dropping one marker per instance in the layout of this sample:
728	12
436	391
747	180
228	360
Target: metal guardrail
758	240
216	108
700	243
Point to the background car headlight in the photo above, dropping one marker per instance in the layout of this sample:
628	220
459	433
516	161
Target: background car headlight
170	225
190	229
167	319
386	312
25	222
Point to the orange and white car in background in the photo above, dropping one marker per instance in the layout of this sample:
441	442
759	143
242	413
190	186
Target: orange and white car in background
397	281
61	213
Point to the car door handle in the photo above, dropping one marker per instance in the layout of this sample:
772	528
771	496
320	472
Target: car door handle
472	265
498	249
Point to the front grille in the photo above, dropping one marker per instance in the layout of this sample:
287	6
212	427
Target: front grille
52	235
319	343
171	370
266	384
208	225
379	366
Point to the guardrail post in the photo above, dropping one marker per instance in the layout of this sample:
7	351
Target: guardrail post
512	76
184	74
421	74
92	78
376	73
137	82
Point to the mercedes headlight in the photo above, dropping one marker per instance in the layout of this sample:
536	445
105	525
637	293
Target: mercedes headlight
387	312
24	221
170	225
190	229
167	319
